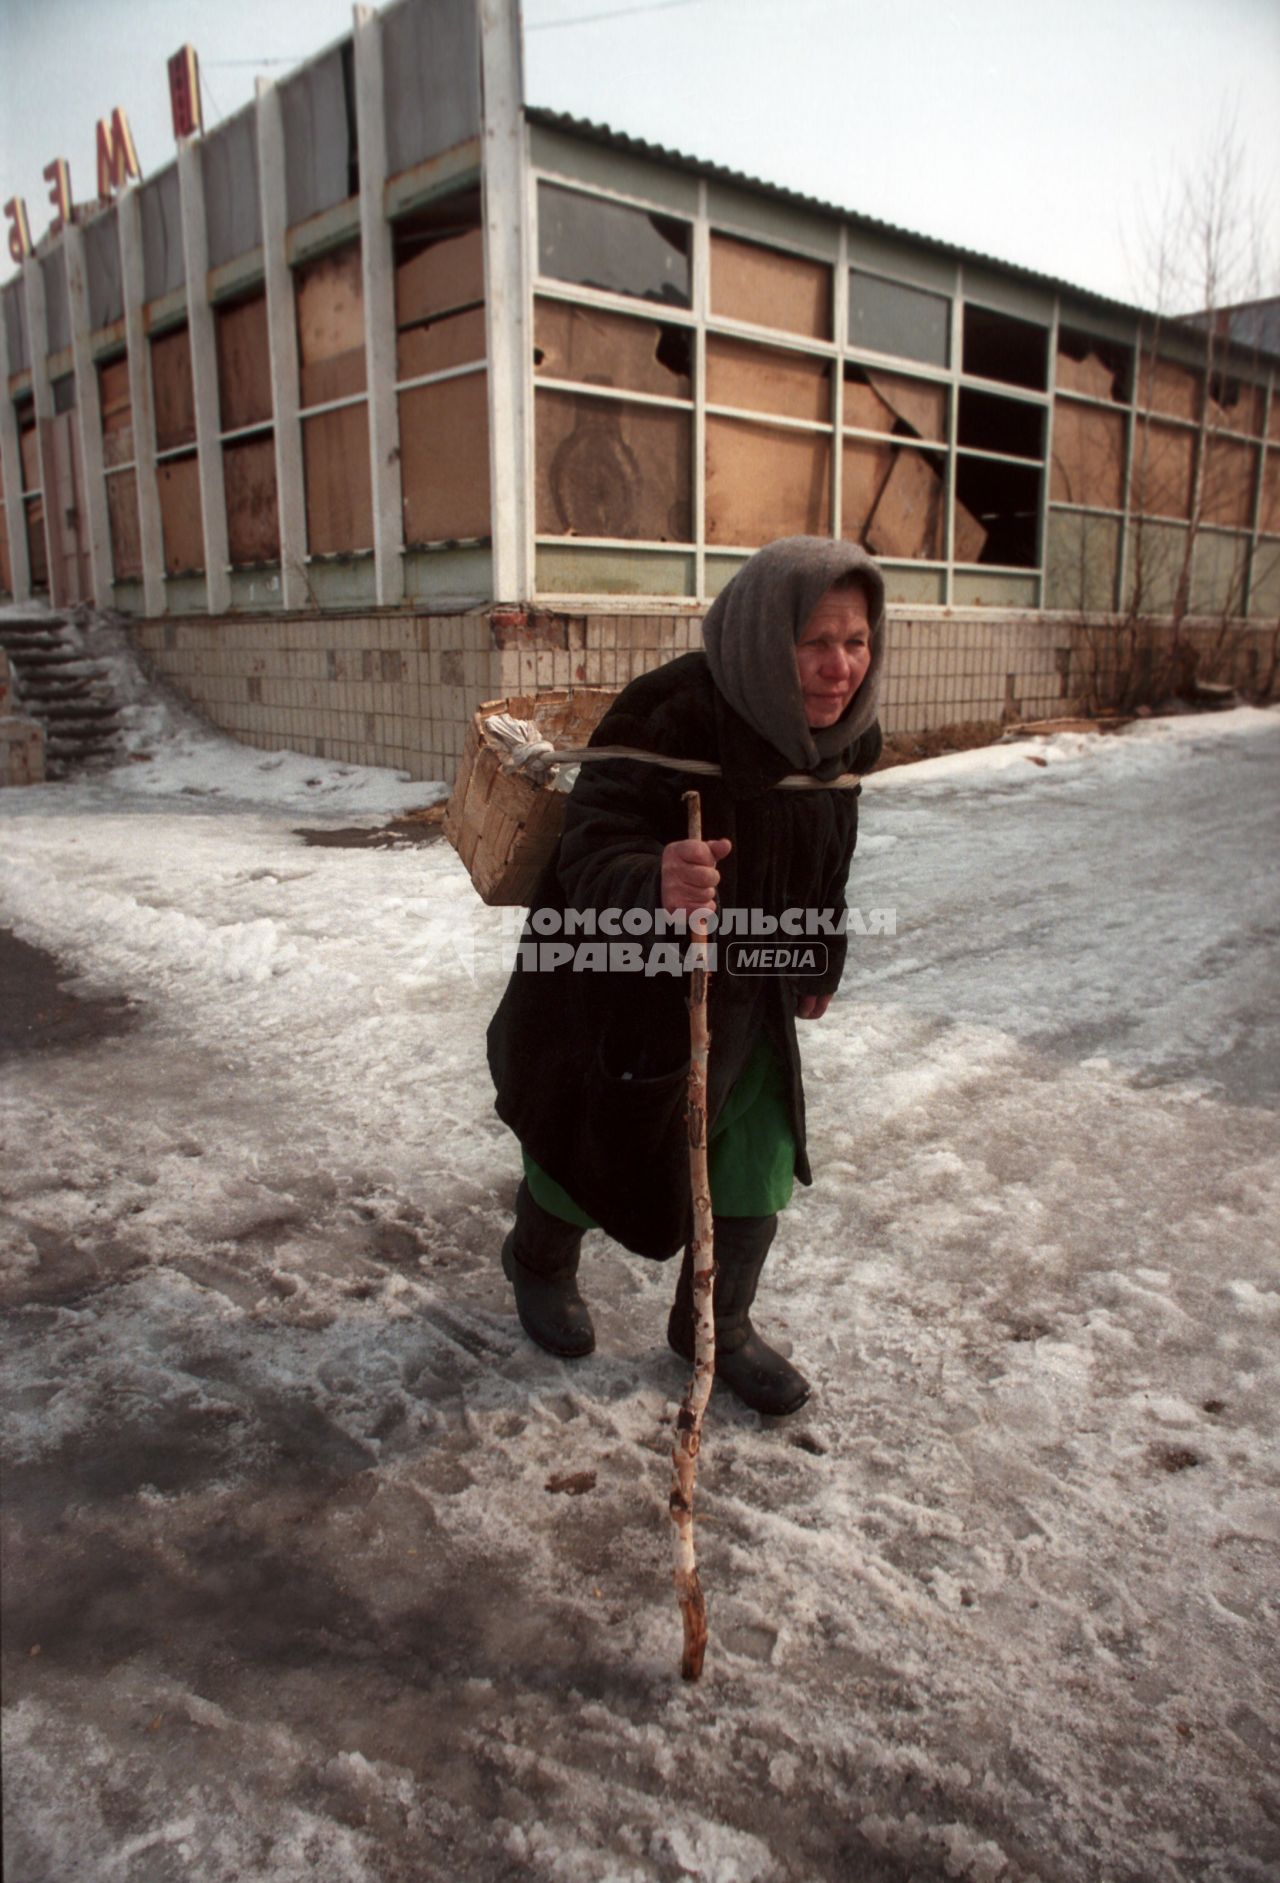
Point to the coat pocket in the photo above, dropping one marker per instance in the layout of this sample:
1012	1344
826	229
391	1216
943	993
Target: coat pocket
636	1156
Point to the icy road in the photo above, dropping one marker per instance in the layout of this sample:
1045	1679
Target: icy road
289	1591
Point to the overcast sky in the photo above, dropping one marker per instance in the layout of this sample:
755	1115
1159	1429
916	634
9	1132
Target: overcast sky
1032	130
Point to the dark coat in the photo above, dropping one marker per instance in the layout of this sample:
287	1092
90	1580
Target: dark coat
561	1042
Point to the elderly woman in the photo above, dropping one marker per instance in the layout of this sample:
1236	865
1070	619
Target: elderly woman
590	1067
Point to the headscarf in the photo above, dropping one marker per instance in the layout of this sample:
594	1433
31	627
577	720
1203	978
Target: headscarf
750	634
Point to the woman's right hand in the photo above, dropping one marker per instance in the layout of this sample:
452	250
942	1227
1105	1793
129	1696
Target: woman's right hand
689	874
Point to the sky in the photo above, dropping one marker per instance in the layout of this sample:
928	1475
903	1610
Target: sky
1038	133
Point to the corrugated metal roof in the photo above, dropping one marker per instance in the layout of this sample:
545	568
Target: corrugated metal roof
700	166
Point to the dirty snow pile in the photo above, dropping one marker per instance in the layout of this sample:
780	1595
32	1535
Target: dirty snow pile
289	1590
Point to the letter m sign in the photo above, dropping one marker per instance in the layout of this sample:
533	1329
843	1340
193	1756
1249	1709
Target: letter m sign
117	159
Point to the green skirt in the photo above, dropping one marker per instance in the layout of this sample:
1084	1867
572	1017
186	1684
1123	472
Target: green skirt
751	1157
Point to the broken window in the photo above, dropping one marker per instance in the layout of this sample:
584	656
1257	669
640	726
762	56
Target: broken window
1163	463
889	402
893	499
770	288
1227	492
332	379
1000	346
115	402
765	379
1010	426
1234	406
1098	369
889	317
177	470
1004	501
439	264
444	460
763	481
1088	456
608	468
594	243
1164	386
599	348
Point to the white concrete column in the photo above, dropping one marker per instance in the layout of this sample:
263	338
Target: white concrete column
282	343
89	418
507	299
11	469
378	271
204	378
42	397
142	404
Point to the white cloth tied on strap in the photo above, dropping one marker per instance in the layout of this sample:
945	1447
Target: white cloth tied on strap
524	748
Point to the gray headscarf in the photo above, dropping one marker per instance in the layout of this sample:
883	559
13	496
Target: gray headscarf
750	634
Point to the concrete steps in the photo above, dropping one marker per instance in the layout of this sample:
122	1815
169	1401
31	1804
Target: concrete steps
68	693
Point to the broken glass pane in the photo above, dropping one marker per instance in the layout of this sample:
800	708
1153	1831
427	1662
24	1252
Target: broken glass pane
989	423
886	317
998	346
1005	501
599	244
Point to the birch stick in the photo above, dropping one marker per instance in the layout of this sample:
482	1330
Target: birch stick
684	1458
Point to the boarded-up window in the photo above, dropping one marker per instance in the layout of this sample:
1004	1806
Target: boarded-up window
1166	387
1229	470
444	460
612	469
1163	460
172	385
765	379
249	476
439	288
1088	456
29	447
595	243
330	304
181	523
37	544
1005	501
764	482
1099	369
889	317
1234	406
894	499
122	522
770	288
335	455
598	348
889	402
1269	512
244	363
116	403
1003	347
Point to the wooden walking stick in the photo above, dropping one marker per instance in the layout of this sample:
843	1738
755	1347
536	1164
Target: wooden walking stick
684	1458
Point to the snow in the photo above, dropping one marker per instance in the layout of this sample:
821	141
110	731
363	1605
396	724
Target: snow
286	1594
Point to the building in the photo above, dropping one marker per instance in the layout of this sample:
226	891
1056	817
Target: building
393	394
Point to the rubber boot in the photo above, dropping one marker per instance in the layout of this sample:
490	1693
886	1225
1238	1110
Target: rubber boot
540	1260
749	1367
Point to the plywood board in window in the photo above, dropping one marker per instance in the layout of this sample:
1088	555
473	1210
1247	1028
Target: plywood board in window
763	482
1228	483
335	454
180	519
122	520
608	468
253	527
866	467
67	512
769	287
603	349
456	340
244	364
29	448
330	304
444	460
864	409
1091	376
908	520
1269	514
1237	407
174	394
1162	464
1088	456
1165	387
916	402
37	547
764	379
116	404
448	274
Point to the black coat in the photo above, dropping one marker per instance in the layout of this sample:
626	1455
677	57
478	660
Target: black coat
560	1042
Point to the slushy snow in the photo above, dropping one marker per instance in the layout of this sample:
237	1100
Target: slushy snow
287	1594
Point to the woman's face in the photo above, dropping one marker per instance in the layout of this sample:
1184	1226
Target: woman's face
833	654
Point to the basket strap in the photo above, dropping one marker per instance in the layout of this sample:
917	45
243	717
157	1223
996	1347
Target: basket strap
794	781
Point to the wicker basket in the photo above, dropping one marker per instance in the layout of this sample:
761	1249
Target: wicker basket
503	826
